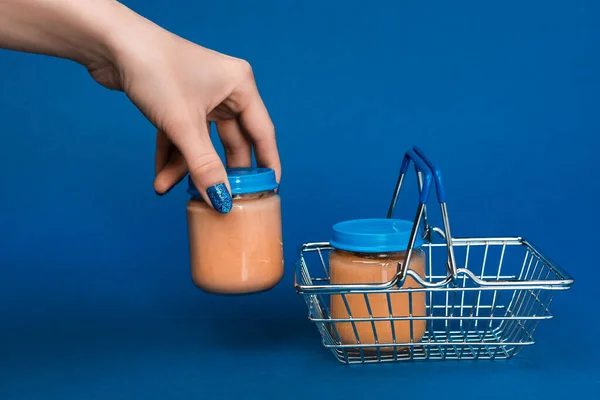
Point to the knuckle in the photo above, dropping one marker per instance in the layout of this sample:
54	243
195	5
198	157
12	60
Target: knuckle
177	125
268	136
234	147
204	164
245	69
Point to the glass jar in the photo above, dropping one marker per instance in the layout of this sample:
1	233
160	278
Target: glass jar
368	251
241	251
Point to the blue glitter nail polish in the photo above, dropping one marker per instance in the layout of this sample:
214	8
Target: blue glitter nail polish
220	198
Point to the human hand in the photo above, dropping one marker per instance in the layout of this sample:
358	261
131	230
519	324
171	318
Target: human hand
181	88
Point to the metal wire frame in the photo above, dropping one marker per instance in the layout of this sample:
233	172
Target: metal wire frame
490	312
487	305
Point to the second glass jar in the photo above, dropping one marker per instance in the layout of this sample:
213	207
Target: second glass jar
368	251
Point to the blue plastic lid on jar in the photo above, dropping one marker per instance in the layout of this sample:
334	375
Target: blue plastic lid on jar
244	181
374	235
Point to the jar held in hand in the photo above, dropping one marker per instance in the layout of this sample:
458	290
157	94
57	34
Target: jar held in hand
241	251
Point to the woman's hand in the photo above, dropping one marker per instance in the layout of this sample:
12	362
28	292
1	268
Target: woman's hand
182	87
179	86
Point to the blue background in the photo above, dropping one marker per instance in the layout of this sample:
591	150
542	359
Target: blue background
96	299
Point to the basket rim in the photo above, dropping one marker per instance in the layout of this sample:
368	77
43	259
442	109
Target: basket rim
564	282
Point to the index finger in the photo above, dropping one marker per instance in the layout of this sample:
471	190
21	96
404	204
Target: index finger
257	124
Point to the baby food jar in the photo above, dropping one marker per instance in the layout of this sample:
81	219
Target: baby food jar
241	251
368	251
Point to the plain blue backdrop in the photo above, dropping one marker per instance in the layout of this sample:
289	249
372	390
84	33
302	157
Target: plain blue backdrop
96	299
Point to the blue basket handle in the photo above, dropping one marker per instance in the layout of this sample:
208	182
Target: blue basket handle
430	172
437	174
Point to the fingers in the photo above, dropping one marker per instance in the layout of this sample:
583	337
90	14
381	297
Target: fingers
256	122
170	167
163	150
205	166
237	146
172	173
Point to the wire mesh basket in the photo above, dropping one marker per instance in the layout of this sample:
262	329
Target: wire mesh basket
487	304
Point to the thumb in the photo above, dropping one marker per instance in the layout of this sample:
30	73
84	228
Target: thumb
206	168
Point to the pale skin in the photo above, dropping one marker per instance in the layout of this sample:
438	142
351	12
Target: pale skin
179	86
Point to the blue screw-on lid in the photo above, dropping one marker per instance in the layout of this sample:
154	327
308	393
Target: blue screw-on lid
374	235
244	181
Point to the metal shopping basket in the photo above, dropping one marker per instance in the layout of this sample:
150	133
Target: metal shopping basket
487	305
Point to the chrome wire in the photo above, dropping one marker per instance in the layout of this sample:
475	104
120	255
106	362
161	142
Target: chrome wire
486	304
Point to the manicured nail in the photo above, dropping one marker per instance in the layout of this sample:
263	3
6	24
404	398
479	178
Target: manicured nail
220	198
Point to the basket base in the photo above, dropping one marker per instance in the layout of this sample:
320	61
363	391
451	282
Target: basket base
354	355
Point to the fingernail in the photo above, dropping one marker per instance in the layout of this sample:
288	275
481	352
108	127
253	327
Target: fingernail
220	198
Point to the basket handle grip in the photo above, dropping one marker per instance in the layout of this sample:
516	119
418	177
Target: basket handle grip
437	175
430	174
428	169
421	167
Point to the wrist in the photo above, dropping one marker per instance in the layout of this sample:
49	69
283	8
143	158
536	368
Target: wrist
126	33
95	32
105	33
